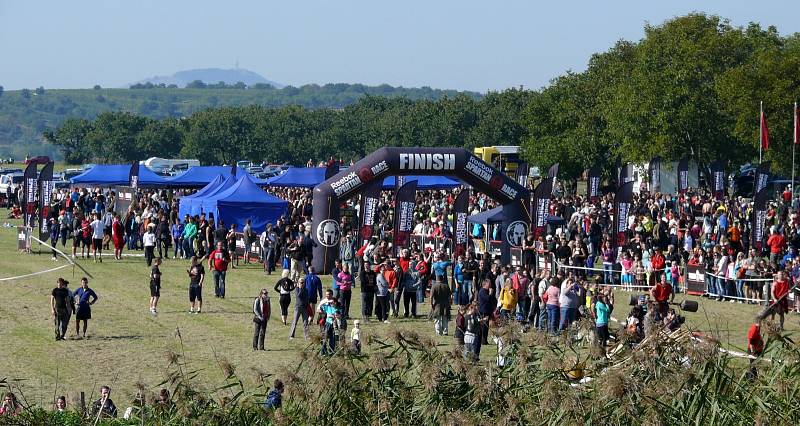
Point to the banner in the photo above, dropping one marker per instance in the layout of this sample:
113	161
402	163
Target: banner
370	199
764	131
460	231
540	207
404	203
623	204
523	171
30	187
331	169
553	175
654	171
133	175
593	184
618	169
683	175
758	220
398	182
625	174
718	179
46	186
761	177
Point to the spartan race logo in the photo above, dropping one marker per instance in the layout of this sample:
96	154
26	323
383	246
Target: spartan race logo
515	233
328	233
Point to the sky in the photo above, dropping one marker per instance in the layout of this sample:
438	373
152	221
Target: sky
463	45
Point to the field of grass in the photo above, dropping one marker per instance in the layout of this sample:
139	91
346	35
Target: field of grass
126	344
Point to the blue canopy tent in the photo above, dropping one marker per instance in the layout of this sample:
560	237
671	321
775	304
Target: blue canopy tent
117	175
242	201
185	205
298	177
309	177
489	217
196	205
200	176
425	182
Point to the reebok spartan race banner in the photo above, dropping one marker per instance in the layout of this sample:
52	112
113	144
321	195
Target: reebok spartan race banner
683	175
404	204
369	209
758	220
30	188
654	171
405	161
540	207
133	176
718	179
593	183
46	186
623	203
460	234
761	178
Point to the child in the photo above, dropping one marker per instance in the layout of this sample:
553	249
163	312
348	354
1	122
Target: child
355	336
460	327
155	286
675	275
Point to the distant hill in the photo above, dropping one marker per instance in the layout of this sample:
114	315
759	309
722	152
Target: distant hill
211	76
26	114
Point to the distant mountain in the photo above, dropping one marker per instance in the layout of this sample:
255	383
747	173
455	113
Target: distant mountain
212	76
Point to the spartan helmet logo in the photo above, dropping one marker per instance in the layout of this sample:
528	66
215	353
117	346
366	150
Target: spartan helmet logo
515	233
328	233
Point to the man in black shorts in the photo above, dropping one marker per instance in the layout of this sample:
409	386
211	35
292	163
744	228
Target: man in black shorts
196	276
155	286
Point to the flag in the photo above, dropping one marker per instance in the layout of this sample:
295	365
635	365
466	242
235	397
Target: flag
796	124
46	186
133	175
404	203
398	182
460	232
764	131
618	168
331	169
553	175
523	171
761	177
369	208
718	179
683	175
540	206
623	204
758	220
593	183
654	170
625	175
30	186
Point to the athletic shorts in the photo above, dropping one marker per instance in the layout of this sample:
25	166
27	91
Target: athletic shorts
87	241
155	290
195	294
76	241
97	244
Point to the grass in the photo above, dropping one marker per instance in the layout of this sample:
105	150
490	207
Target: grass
127	345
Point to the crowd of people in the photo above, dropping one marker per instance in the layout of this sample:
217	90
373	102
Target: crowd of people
665	234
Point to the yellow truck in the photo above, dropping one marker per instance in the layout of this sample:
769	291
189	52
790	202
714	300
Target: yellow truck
503	158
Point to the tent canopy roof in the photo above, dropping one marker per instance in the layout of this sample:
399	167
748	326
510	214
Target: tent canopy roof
117	175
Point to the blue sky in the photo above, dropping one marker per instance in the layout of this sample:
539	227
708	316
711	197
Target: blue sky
468	45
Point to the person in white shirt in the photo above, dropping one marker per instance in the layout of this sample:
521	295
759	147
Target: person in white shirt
355	336
149	241
97	236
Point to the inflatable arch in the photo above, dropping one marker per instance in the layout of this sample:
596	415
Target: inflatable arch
456	162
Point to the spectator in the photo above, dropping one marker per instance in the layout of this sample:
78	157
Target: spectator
262	310
104	407
274	397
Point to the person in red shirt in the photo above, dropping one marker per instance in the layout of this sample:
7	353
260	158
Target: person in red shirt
780	289
658	263
218	262
776	243
755	344
662	294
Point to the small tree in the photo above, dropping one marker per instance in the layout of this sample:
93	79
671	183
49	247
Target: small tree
97	87
25	93
40	90
196	84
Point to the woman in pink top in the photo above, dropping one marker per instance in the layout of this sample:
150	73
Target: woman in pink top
553	307
627	275
345	289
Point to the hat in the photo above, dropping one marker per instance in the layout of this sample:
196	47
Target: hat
356	322
549	238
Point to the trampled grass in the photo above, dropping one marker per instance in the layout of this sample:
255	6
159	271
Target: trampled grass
126	344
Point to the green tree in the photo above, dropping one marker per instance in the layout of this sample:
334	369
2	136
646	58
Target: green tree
70	137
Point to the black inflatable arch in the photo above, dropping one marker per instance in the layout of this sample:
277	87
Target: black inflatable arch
384	162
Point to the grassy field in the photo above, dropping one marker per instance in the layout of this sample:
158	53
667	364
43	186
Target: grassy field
126	344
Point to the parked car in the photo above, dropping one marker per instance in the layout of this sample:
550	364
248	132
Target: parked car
12	179
40	159
244	164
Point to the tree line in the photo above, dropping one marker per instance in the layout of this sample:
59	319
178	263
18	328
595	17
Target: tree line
690	86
